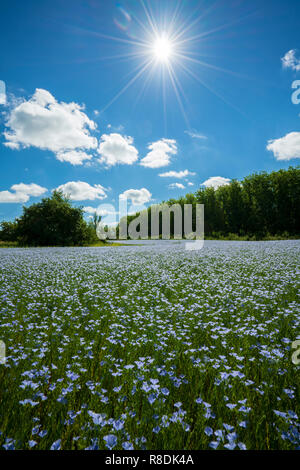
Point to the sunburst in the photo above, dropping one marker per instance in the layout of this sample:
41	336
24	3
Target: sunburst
168	43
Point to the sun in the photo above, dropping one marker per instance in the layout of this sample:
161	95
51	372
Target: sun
162	48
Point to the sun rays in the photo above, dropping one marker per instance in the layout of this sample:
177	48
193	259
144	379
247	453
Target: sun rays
168	45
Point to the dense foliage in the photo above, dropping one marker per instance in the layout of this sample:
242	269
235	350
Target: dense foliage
259	206
51	222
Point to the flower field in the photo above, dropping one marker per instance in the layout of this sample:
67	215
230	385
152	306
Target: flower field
150	347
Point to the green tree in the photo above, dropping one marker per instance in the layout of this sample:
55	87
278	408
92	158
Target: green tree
213	216
261	204
53	222
231	208
8	232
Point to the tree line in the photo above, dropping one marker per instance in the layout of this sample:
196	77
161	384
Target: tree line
262	205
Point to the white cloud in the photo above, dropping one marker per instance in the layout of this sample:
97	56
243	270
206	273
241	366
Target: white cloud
177	174
176	186
291	61
29	189
81	191
45	123
195	134
22	192
75	157
215	182
190	184
117	149
287	147
137	196
2	92
160	153
7	196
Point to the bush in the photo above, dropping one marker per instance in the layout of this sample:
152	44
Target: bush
53	222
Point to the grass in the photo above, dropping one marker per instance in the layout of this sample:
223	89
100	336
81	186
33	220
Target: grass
98	244
110	243
8	244
157	349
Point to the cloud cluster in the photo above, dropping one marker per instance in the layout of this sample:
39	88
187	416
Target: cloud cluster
216	182
160	153
81	191
138	197
44	123
22	193
65	129
117	149
291	61
286	147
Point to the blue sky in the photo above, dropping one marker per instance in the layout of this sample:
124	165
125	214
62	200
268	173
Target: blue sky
80	113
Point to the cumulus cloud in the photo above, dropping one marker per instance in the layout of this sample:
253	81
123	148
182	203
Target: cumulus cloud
81	191
176	186
177	174
215	182
47	124
287	147
190	184
195	134
160	153
117	149
22	192
291	61
137	196
2	92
